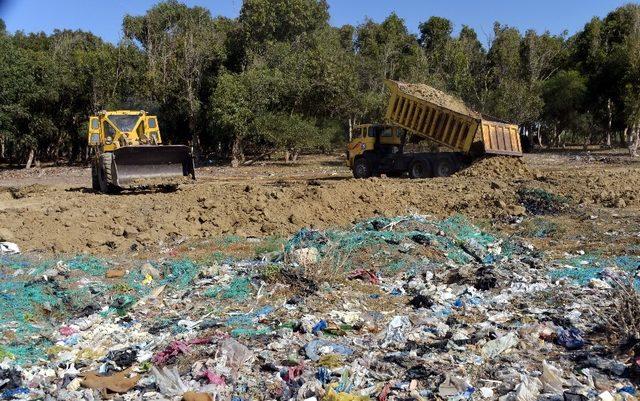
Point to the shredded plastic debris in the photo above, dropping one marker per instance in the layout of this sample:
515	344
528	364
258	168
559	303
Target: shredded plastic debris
409	307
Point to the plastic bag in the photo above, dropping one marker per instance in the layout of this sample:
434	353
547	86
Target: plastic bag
236	355
528	389
315	347
552	379
396	330
570	339
168	381
496	347
9	248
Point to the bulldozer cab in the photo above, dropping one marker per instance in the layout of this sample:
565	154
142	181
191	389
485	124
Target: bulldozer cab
111	130
374	137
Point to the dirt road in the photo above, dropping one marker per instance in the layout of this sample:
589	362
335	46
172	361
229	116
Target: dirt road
53	210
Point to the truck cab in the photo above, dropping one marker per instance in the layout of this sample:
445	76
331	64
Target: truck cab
379	138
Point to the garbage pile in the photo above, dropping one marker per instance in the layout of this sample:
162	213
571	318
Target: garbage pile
389	309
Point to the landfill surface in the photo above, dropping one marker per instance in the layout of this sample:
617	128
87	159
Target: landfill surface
534	298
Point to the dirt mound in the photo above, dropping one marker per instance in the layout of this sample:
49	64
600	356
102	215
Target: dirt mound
432	95
279	200
498	167
25	191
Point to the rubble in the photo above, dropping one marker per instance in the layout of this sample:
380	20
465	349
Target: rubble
410	307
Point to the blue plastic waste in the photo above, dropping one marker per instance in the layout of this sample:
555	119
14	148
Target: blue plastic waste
12	393
324	375
320	326
311	349
570	339
627	389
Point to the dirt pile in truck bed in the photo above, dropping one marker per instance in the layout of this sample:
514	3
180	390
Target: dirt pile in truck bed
437	97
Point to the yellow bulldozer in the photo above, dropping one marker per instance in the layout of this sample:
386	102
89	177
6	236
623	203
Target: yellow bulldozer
128	147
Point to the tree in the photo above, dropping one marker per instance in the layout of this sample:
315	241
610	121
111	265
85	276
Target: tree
564	97
435	33
281	20
385	51
182	44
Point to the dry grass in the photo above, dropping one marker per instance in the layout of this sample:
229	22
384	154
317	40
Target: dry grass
621	316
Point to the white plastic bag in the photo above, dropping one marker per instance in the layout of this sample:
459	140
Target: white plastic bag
8	248
168	381
496	347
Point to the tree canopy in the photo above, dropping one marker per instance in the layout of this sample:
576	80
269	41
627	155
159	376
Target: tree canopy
281	78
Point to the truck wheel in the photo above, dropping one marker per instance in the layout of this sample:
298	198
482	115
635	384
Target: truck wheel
420	169
361	168
95	179
105	174
444	168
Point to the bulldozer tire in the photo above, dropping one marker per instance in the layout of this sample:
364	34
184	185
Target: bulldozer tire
95	179
105	174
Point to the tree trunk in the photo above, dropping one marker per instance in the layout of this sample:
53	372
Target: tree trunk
539	136
609	122
74	153
236	152
287	156
195	140
587	142
1	147
350	129
634	142
32	154
296	153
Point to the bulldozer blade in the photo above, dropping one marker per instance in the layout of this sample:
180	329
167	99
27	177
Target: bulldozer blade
146	161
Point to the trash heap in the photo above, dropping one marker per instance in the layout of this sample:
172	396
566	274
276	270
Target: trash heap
389	309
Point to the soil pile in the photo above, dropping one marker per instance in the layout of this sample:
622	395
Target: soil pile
279	200
498	167
433	95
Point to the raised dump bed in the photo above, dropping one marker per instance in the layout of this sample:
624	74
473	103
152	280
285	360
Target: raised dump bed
446	120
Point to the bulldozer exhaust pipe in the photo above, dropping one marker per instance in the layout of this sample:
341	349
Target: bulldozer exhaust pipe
148	161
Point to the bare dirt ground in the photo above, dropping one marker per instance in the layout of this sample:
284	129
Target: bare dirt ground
54	210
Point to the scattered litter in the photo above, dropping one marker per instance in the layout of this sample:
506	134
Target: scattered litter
571	339
120	382
193	396
9	248
500	345
410	307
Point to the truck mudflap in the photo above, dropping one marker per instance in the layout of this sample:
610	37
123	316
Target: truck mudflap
148	161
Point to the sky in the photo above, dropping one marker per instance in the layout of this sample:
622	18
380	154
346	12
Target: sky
104	18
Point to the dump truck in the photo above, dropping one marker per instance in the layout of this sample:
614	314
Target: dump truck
422	112
128	147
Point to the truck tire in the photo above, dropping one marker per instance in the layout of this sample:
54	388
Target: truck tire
420	169
443	168
105	174
95	179
361	168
